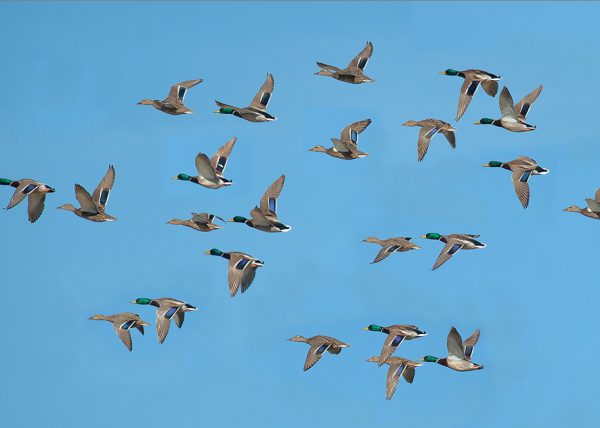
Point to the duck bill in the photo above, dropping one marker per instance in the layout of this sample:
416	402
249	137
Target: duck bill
207	252
443	73
478	123
423	236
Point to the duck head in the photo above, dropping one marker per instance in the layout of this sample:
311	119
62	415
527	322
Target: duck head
434	236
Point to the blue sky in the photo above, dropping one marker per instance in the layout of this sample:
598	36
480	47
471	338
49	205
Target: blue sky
73	73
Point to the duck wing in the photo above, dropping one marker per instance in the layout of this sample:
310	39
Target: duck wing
469	344
179	90
455	344
360	61
85	200
451	248
315	352
523	106
468	89
520	178
35	206
507	106
26	187
204	167
268	202
219	160
425	135
350	132
102	192
262	97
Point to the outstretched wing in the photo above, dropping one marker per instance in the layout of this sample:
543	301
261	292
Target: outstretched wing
240	275
85	200
361	60
523	106
384	252
219	160
392	378
455	344
392	341
520	178
268	202
350	132
262	97
468	89
35	206
448	251
425	135
507	106
314	354
25	188
163	320
178	90
204	167
179	317
102	192
469	344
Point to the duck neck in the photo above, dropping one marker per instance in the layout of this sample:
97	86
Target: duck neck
7	182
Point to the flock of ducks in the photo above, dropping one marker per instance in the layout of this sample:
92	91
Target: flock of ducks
264	217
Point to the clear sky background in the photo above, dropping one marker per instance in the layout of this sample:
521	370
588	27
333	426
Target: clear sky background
72	74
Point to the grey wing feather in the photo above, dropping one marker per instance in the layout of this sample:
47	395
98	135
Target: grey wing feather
597	195
593	205
268	202
455	344
448	251
469	344
204	167
18	195
85	200
125	336
521	187
409	374
262	97
358	127
490	87
35	206
507	106
523	106
178	91
219	160
383	253
389	346
102	192
179	317
314	354
450	137
425	135
392	378
468	89
360	61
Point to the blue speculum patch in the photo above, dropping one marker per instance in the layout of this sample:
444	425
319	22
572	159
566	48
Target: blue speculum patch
264	99
397	340
525	176
127	325
392	248
454	248
472	88
29	188
353	136
242	264
171	312
362	62
181	92
272	205
321	349
104	196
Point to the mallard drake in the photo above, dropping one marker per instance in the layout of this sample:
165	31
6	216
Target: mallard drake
395	335
591	211
257	110
35	192
391	245
430	127
459	352
210	172
318	346
173	104
93	207
513	116
122	323
398	367
522	168
354	72
453	243
199	221
241	271
346	147
167	308
264	217
473	78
